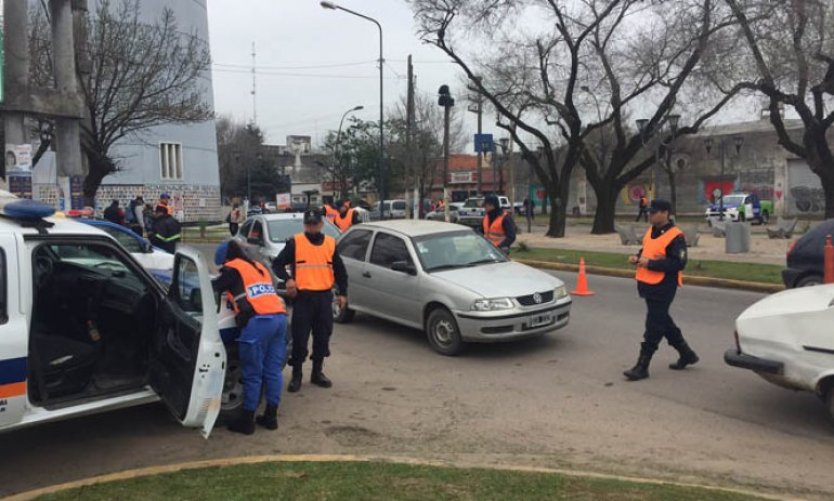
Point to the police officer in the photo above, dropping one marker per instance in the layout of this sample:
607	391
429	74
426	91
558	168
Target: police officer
165	202
262	318
166	232
498	226
643	209
316	267
331	211
659	264
346	217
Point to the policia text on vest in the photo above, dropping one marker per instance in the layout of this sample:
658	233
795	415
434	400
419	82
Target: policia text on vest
660	264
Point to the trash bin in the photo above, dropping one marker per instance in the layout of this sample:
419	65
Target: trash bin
738	238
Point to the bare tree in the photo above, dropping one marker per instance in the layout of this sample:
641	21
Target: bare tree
142	76
785	51
541	81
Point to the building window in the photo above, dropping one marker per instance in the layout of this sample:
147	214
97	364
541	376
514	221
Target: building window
170	160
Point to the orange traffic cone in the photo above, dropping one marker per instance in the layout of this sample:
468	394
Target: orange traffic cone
582	281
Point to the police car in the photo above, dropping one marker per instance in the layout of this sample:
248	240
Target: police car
84	328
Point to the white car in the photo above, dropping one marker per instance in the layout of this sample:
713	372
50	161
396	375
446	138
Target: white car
785	339
84	328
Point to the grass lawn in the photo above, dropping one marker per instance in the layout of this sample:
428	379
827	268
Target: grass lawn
377	481
213	235
750	272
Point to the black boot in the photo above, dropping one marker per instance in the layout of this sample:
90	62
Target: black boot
295	382
245	423
318	378
687	357
640	370
269	419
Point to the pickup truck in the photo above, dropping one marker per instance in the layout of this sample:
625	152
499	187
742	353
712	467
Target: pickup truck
472	212
740	207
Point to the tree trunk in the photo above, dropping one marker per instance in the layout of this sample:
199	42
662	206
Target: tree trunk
100	167
604	216
558	210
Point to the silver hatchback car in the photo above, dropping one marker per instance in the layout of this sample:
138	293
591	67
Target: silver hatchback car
450	282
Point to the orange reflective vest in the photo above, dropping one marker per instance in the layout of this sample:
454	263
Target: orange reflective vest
257	288
330	213
655	248
495	232
167	208
314	264
346	221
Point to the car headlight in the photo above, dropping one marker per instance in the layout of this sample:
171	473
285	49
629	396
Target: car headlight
503	303
560	293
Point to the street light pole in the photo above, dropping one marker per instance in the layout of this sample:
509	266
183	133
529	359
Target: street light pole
738	141
339	138
446	101
381	187
642	125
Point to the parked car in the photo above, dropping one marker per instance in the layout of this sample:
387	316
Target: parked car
394	209
785	339
90	330
157	261
805	257
440	214
449	282
269	233
741	207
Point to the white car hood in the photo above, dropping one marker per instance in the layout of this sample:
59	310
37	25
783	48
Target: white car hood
508	279
156	260
791	302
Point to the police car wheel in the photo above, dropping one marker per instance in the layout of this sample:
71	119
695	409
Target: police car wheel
232	398
443	333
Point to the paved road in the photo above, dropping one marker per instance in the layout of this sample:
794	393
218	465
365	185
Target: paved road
555	401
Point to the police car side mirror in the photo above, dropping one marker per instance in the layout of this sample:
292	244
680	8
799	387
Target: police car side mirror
404	267
255	241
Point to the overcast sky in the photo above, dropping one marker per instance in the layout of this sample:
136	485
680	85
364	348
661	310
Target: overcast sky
314	64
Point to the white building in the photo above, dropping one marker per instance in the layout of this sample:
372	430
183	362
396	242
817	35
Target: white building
177	159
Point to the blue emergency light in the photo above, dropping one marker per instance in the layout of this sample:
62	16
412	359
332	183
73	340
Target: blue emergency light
26	210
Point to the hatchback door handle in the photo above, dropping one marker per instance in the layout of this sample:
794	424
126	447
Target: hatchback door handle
366	274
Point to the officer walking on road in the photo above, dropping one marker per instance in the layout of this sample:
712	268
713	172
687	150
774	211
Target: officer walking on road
346	216
498	226
316	267
659	266
262	318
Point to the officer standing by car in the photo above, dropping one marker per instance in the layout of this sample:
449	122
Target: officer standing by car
498	226
262	318
166	231
346	217
316	267
660	264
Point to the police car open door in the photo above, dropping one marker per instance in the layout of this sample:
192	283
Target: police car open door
189	361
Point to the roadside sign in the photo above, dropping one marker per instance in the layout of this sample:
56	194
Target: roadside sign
484	143
283	201
18	158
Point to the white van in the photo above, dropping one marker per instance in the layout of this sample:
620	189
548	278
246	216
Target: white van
85	329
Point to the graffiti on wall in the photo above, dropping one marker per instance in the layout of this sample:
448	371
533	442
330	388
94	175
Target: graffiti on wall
805	195
631	194
710	184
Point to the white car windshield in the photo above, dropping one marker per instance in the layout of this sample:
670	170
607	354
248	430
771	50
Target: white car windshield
281	230
455	250
474	202
734	200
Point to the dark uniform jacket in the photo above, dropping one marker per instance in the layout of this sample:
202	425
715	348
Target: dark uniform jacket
166	233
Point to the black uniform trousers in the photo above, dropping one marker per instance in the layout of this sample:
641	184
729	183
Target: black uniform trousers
311	311
659	323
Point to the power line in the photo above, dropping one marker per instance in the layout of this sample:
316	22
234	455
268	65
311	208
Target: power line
307	67
300	75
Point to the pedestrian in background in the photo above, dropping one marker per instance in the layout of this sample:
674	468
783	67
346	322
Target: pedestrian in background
166	232
643	209
262	318
114	213
134	215
165	202
235	218
660	264
315	266
148	218
346	217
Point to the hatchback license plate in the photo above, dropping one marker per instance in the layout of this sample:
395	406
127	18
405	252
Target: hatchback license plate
540	320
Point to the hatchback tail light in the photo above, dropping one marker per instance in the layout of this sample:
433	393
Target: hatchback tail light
791	248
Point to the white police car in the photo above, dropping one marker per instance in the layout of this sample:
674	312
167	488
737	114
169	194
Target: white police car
84	327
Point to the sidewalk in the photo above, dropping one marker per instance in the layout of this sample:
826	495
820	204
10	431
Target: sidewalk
578	237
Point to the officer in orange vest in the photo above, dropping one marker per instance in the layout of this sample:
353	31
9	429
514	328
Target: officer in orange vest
316	267
660	264
497	226
643	211
346	217
165	202
262	318
331	211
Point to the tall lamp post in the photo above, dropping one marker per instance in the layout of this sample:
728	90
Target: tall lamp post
445	100
381	187
339	139
738	142
642	126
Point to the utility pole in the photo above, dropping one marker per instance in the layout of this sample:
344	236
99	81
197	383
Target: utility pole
16	53
409	131
446	101
478	108
254	86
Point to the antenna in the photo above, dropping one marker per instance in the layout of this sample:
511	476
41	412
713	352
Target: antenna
254	87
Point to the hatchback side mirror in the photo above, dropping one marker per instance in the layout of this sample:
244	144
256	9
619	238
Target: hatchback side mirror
255	241
404	267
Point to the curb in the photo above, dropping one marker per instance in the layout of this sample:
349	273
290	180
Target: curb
325	458
722	283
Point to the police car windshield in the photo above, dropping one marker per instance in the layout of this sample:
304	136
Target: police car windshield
455	250
281	230
734	199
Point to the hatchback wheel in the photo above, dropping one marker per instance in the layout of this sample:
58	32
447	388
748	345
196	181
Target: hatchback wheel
829	401
443	333
809	281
